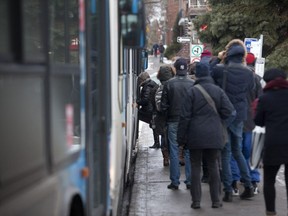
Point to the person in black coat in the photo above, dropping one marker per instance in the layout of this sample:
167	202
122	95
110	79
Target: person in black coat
272	113
146	103
200	129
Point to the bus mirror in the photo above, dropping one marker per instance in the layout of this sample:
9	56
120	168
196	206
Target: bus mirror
132	23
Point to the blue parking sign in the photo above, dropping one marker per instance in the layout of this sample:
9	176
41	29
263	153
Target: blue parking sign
247	43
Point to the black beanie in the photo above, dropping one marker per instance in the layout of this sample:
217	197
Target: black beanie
274	73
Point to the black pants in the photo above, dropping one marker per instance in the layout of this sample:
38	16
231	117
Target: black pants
270	172
212	157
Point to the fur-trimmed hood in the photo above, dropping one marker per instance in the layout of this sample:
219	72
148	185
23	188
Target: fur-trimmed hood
236	47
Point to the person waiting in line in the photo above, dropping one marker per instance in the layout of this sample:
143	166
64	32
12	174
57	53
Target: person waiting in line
196	115
236	80
173	94
249	125
271	113
146	103
165	73
205	58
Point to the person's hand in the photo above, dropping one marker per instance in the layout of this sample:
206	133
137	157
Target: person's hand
221	54
135	105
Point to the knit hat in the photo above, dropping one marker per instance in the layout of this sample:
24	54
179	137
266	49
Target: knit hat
142	77
181	65
206	53
250	58
273	73
235	50
202	70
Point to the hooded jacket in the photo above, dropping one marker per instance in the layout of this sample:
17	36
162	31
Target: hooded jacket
239	78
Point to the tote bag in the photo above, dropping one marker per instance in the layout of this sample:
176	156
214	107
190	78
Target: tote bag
258	137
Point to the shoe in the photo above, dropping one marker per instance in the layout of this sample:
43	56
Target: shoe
247	193
227	197
268	213
172	187
165	162
235	190
188	186
255	188
216	205
156	145
195	205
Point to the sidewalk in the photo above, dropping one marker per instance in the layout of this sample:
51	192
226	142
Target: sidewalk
150	196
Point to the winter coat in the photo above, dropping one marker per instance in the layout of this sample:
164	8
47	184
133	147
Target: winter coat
147	100
272	113
164	74
200	126
254	93
239	79
173	93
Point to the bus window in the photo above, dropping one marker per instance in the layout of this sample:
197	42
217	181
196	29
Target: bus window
65	79
32	38
64	32
4	29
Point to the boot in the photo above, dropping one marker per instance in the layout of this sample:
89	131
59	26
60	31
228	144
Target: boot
181	156
271	213
156	140
165	154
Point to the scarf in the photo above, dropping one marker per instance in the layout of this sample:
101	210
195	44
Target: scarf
278	83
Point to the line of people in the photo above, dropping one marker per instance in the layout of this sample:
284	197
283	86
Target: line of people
210	116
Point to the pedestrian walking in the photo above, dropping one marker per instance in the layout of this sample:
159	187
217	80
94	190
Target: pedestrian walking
194	131
236	80
161	51
146	103
272	114
165	73
249	125
173	94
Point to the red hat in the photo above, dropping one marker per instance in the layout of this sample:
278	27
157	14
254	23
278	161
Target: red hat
250	58
206	53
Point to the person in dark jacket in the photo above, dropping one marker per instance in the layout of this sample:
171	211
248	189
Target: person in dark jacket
146	103
236	80
272	113
173	94
200	129
165	73
248	127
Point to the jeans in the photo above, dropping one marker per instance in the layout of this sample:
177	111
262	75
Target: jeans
246	150
212	158
234	147
174	156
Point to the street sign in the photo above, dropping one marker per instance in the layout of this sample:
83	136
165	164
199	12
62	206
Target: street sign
248	41
183	39
196	50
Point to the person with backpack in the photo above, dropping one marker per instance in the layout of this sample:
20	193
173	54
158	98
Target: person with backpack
146	103
165	73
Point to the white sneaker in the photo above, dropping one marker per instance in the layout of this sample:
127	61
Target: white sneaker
235	192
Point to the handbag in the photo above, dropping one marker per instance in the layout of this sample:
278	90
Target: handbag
212	104
258	138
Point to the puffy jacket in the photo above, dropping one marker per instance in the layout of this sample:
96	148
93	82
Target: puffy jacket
147	96
173	93
239	79
200	126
